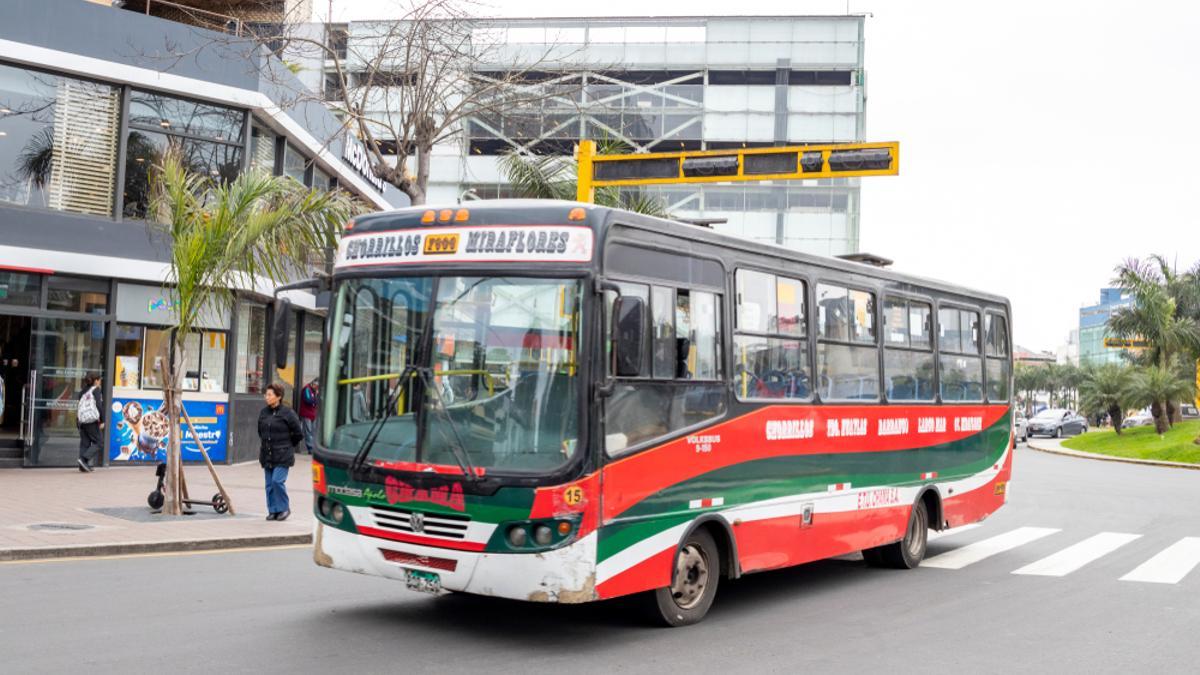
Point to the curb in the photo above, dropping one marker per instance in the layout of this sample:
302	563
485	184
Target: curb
1059	450
130	548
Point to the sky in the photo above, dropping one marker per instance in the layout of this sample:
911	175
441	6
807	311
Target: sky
1042	143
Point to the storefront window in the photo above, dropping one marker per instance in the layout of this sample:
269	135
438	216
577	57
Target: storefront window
262	150
251	357
128	366
68	294
208	138
320	179
20	289
145	149
287	375
212	352
314	333
58	141
294	163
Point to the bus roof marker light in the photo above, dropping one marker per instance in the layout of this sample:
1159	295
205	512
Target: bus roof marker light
349	224
577	213
461	215
428	216
445	215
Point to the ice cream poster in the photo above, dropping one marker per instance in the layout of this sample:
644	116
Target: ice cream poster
138	430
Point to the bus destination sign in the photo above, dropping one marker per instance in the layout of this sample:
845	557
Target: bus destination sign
499	243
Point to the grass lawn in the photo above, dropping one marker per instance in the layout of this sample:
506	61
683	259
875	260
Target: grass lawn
1142	443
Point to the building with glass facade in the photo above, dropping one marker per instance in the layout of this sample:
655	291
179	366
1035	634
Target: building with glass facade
661	84
1093	327
90	98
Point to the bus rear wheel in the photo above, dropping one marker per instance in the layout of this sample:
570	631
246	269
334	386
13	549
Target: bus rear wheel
909	551
693	583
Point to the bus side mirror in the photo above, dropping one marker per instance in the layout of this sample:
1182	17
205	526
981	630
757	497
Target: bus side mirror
629	330
280	331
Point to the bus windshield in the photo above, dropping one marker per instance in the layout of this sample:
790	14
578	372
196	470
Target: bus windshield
441	367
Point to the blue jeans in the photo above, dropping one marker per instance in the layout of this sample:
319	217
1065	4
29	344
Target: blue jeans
277	496
307	426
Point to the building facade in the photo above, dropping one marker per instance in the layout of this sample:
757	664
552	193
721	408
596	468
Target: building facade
1093	327
90	98
663	84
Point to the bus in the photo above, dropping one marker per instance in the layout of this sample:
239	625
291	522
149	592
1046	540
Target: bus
560	402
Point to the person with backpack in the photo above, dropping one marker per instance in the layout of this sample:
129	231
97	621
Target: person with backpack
89	417
310	396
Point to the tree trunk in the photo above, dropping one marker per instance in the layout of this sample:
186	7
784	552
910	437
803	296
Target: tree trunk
1114	414
172	393
1160	417
1174	413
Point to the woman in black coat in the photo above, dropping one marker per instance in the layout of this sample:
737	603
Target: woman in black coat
279	431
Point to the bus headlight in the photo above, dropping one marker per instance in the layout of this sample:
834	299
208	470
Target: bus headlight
517	536
337	512
543	535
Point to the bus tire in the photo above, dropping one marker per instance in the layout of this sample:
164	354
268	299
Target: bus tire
693	582
909	551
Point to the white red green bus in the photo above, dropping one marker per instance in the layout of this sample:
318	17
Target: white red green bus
559	402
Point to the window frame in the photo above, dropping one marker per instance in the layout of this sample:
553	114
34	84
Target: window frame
979	353
804	339
908	299
875	344
990	313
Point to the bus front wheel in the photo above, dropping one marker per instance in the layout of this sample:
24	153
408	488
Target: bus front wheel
909	551
693	583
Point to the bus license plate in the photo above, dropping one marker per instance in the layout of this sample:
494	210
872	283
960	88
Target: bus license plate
425	582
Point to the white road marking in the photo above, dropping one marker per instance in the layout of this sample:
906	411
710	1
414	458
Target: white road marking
934	535
973	553
1073	557
1171	565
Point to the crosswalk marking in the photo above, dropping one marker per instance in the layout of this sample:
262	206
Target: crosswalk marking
1073	557
934	534
1171	565
973	553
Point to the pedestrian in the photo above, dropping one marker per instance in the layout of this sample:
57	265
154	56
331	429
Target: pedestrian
310	396
88	417
280	433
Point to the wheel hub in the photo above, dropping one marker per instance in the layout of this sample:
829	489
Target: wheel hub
691	577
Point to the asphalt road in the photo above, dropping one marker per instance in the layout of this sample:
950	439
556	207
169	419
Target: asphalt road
271	611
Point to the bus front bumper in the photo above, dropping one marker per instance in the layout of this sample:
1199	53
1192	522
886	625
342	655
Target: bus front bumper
564	575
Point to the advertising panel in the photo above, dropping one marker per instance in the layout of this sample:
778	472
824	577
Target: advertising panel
138	429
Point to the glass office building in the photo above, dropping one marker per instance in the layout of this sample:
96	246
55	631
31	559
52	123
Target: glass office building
661	84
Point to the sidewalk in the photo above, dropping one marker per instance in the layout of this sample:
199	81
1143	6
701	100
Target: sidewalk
1054	446
47	513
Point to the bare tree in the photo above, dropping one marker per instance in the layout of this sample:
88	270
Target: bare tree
409	83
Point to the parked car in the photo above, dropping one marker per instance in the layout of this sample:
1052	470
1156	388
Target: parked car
1020	427
1057	422
1138	419
1189	412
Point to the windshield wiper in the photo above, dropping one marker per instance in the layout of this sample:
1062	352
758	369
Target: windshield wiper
458	449
393	400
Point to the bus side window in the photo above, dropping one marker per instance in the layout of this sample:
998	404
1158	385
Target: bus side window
682	384
770	352
847	355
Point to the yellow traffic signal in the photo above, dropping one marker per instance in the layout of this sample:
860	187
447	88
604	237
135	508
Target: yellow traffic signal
839	160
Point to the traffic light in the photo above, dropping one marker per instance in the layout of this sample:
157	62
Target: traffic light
842	160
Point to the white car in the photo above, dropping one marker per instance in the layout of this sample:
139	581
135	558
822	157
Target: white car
1020	427
1139	419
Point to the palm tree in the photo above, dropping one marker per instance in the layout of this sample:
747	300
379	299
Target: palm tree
1106	389
223	235
1166	311
554	177
1155	386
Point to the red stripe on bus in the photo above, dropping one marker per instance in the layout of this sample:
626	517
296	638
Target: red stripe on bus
651	573
630	480
423	541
